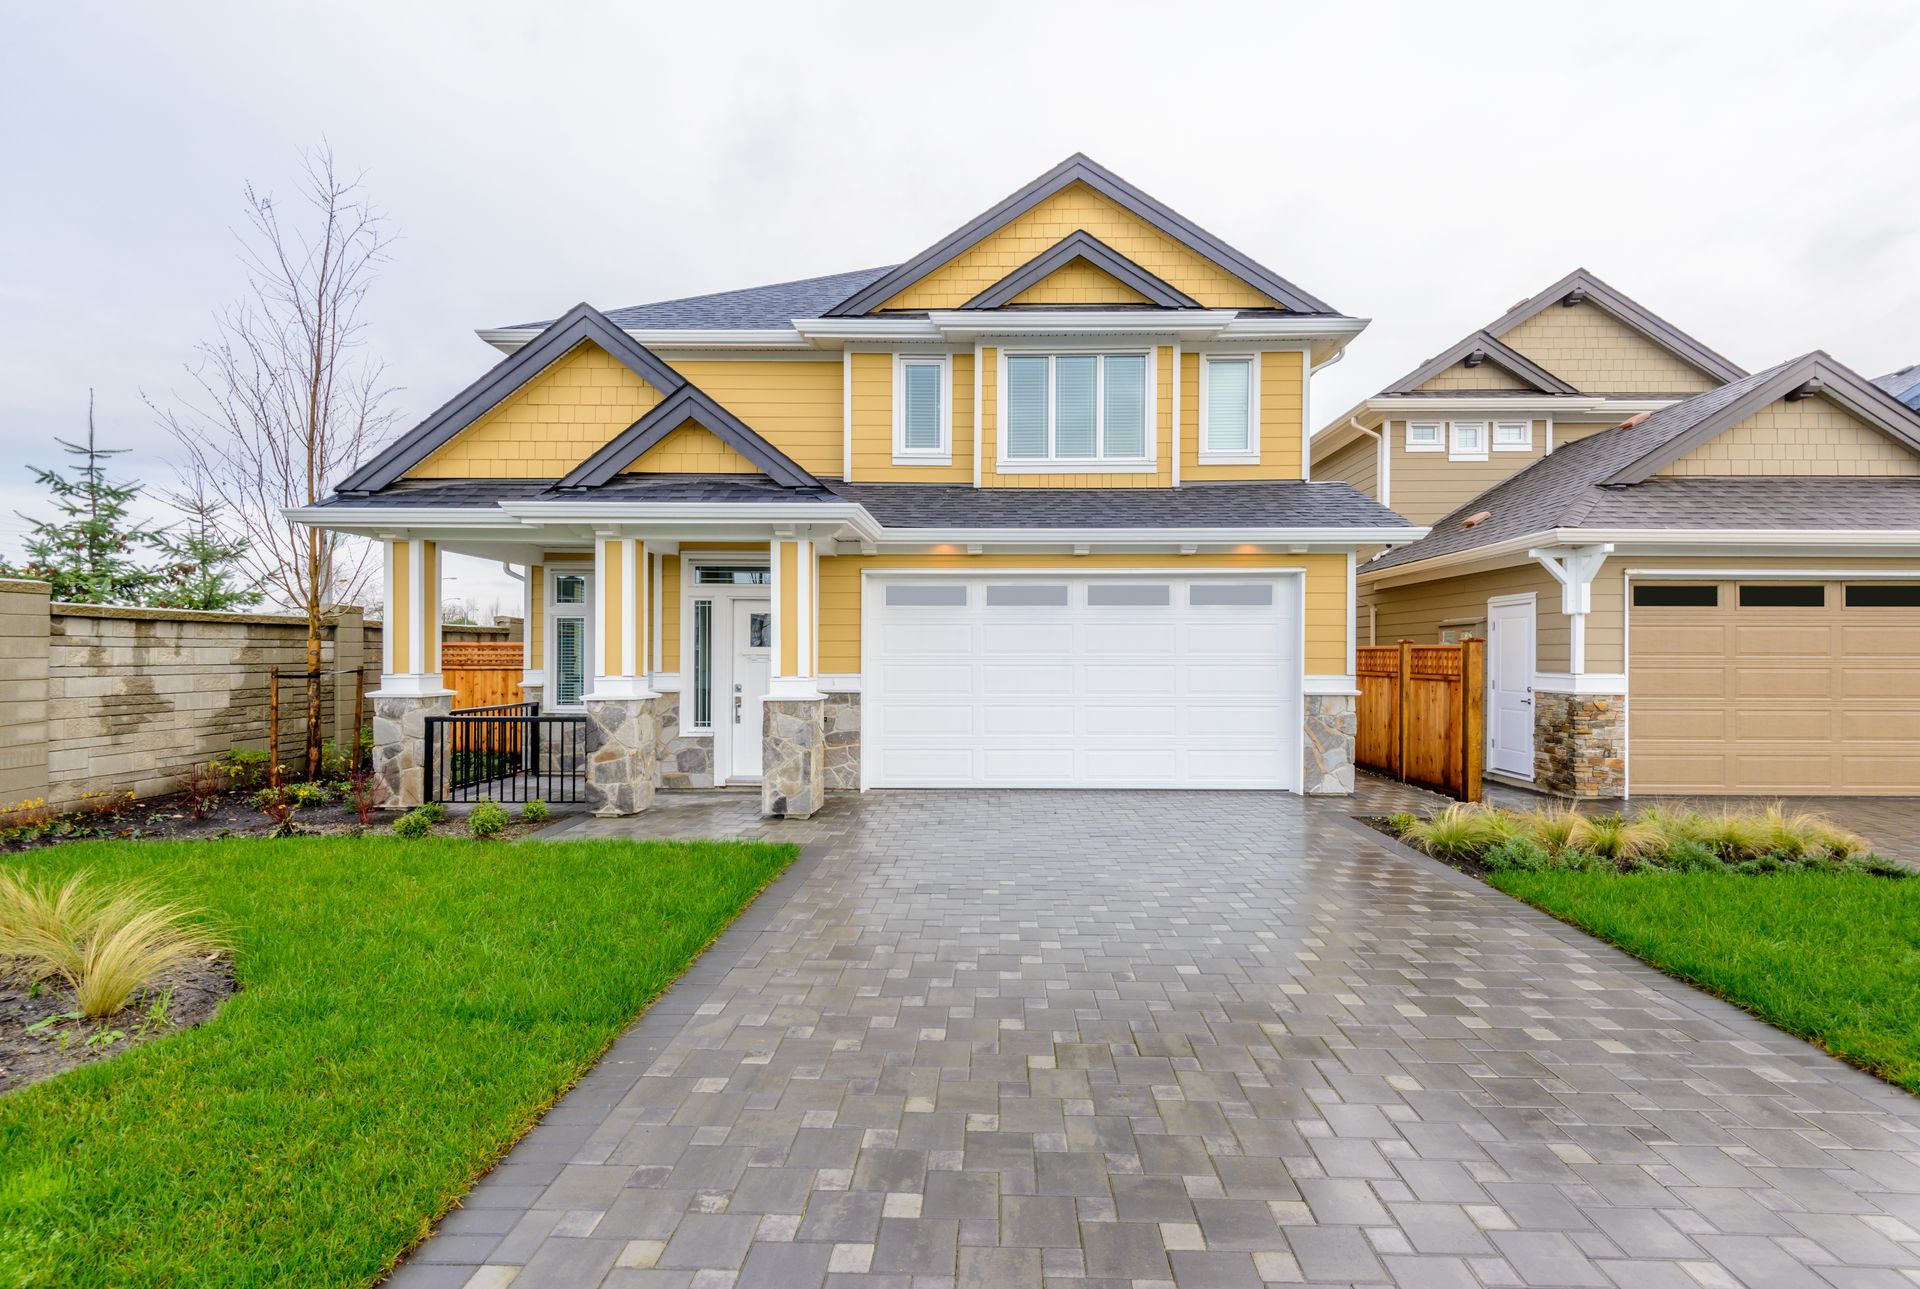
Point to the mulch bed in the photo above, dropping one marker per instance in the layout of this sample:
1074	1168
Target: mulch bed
1472	868
233	815
197	990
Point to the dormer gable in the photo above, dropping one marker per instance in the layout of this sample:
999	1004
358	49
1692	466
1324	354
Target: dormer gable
1080	269
1078	195
1480	362
1601	341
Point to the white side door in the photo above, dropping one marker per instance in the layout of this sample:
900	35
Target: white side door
1510	659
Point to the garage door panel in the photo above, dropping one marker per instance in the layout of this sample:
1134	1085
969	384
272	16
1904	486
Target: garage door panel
1107	693
1771	700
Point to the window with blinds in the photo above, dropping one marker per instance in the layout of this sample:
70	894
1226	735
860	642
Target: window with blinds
569	661
921	417
1226	409
1076	408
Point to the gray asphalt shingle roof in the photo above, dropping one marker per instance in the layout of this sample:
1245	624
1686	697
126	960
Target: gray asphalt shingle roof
626	487
1903	385
1285	504
754	308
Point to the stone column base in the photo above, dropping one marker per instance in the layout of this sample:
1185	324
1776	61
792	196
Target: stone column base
793	745
622	738
682	762
843	742
1332	721
400	745
1580	744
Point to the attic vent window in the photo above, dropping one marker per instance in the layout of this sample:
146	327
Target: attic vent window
1807	390
1477	357
1576	296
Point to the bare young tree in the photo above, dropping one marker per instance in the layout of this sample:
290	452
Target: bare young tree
289	399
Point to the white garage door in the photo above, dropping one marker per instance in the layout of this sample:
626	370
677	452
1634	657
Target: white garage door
1086	682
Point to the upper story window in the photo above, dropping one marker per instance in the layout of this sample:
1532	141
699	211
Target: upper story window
1229	409
1071	409
1467	441
1513	436
922	411
1424	436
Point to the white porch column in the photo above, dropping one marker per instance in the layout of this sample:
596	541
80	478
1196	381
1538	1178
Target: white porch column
793	731
622	722
410	685
1574	568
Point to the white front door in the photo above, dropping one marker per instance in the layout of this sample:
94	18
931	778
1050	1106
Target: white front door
1510	686
1137	680
752	660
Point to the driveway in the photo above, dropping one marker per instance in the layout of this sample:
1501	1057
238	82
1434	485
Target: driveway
1178	1038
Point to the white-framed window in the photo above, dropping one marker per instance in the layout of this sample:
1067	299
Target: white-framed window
1230	408
1424	436
1466	440
922	410
569	637
1072	409
1513	436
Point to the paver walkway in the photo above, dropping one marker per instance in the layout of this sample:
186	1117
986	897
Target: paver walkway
1111	1039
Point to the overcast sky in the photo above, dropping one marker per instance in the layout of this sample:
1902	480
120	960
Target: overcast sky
1746	170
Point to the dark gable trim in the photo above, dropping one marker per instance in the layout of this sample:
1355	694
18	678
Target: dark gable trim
1081	245
688	403
1079	169
1627	310
1840	383
581	323
1495	352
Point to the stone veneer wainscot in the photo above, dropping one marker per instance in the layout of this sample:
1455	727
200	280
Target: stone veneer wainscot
1580	744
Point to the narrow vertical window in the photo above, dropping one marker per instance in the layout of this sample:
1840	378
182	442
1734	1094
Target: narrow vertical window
923	430
1126	406
570	661
702	664
1027	407
1074	408
1228	407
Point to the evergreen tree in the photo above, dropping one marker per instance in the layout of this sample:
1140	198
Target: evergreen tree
89	552
200	565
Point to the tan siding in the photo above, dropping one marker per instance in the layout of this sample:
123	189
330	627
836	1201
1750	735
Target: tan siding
1358	463
1813	436
1595	352
1426	485
1418	612
1073	208
1485	376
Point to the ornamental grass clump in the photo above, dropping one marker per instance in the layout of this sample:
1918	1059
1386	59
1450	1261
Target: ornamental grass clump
106	942
1617	839
1457	832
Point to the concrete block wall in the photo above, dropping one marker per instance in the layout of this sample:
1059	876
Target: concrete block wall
23	691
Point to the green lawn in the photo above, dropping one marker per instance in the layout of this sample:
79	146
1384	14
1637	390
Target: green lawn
1832	957
407	1010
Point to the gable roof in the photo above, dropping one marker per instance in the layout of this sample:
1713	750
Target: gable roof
1591	290
754	308
1903	384
1082	245
1489	348
1607	477
688	403
1078	168
577	325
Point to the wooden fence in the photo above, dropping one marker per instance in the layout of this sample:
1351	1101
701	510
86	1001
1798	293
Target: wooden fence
1422	714
481	673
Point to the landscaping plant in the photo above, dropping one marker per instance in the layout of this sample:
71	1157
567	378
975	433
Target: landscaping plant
279	805
364	791
200	789
535	811
245	767
105	941
487	819
413	824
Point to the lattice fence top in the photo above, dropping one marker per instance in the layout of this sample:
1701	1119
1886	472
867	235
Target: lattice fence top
480	653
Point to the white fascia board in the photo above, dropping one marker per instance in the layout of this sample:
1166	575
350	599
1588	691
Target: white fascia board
349	518
508	339
834	332
1281	327
1187	324
755	514
922	538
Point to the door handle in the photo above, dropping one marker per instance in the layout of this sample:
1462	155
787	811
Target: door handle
736	709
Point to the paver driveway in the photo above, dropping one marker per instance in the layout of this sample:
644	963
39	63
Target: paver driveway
1204	1039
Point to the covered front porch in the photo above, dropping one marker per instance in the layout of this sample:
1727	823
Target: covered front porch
690	656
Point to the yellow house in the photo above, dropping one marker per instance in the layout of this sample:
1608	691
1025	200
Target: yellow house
1033	508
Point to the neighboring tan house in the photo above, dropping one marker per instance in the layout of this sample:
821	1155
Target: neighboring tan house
1576	358
1722	596
1030	509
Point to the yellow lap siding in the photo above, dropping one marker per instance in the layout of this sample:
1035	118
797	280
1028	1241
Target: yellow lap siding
1078	282
794	405
536	616
692	449
1161	476
1074	208
1282	420
550	424
669	613
873	423
611	610
1325	609
792	607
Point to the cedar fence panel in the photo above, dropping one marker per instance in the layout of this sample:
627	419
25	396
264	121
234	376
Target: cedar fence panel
1422	714
481	673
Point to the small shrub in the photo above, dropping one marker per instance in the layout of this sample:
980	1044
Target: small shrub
24	820
535	811
1458	832
413	824
1873	865
363	790
279	805
1519	853
308	795
245	767
1688	855
435	811
488	819
1402	822
200	789
102	808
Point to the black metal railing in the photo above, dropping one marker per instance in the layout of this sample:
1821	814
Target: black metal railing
509	752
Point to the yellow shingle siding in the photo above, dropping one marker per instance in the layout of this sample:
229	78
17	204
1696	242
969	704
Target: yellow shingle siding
1598	354
549	425
794	405
691	449
1326	593
1074	208
1282	421
1078	282
873	423
1810	437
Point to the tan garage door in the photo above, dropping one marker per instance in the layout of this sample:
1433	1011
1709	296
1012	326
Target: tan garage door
1770	687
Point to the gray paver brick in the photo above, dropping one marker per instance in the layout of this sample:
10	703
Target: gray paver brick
978	1038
